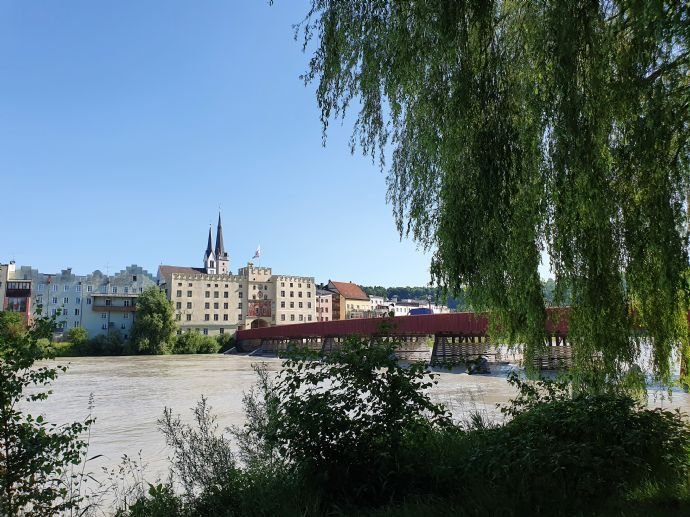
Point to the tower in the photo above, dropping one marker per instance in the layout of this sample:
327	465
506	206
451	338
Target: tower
209	256
223	261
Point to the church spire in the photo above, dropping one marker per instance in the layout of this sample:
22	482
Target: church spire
220	248
209	247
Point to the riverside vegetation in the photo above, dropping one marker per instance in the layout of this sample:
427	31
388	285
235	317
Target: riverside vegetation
356	433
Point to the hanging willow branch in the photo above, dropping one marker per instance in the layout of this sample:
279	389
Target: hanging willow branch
523	126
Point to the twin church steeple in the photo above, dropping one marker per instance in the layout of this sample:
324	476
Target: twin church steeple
216	261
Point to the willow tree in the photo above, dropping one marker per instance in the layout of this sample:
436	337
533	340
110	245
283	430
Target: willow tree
520	127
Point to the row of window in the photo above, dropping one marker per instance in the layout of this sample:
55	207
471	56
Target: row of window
292	305
292	294
292	317
89	289
299	285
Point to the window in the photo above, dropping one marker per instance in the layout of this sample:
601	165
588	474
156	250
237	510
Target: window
253	288
292	294
53	312
189	284
225	306
282	305
308	305
239	305
215	317
104	326
240	294
179	332
225	317
108	302
292	305
178	317
309	318
189	294
179	293
225	294
55	287
282	293
178	305
103	315
88	288
40	287
179	284
65	300
77	300
207	317
207	305
78	288
308	286
134	278
216	294
326	310
290	284
76	312
215	305
300	305
208	285
189	317
114	289
207	294
299	285
88	301
292	317
282	284
206	330
301	317
265	288
308	294
282	317
75	324
215	285
189	305
221	331
54	299
66	288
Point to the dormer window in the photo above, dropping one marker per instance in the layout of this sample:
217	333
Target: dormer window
213	264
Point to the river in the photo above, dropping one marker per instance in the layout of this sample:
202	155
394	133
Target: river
129	394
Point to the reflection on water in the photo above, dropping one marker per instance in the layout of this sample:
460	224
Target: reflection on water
130	394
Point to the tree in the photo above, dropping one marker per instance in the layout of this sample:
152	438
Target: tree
154	325
517	127
77	336
33	453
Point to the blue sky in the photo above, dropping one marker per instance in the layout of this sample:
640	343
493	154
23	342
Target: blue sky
125	125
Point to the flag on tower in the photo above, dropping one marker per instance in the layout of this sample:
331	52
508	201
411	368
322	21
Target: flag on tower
257	253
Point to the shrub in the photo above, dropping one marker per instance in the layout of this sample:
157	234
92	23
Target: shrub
34	455
225	342
194	343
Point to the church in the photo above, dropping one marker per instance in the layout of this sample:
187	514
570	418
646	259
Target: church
212	300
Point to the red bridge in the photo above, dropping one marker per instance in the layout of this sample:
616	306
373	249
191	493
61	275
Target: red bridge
441	337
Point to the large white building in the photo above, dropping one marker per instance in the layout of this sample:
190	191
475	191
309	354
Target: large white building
98	302
212	300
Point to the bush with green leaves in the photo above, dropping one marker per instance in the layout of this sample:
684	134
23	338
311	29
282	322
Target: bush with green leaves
192	342
35	455
343	417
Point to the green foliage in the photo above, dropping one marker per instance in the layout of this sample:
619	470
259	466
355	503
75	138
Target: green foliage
77	336
191	342
225	342
517	127
343	417
154	325
34	454
111	343
12	325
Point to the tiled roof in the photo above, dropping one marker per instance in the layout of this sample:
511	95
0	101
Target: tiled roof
349	290
168	270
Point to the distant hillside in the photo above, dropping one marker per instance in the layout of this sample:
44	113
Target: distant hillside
416	293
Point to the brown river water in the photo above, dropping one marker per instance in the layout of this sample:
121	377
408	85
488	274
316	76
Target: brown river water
129	394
